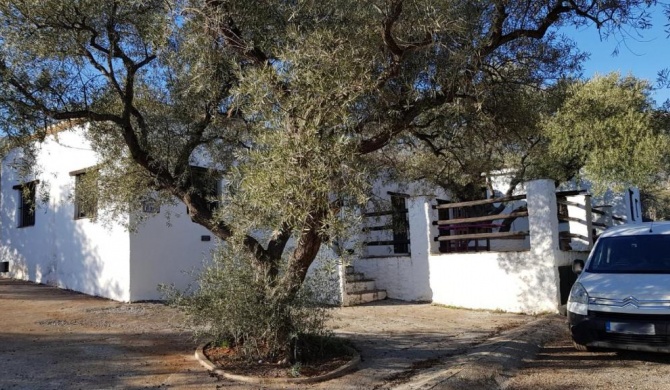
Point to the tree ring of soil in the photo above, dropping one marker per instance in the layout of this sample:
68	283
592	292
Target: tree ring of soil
344	368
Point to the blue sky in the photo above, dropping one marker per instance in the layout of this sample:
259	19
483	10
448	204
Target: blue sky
642	53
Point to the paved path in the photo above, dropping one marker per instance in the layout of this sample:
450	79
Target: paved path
55	339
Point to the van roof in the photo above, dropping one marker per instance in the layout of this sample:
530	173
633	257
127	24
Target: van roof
660	227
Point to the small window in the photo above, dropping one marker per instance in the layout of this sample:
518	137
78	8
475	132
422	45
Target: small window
206	183
399	224
151	206
85	194
26	202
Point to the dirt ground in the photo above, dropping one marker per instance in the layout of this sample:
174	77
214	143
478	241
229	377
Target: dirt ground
559	366
55	339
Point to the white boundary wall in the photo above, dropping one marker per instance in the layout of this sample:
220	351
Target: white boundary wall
524	281
516	281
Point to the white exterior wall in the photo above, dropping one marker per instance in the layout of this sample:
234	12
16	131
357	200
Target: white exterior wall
618	203
162	254
516	276
517	281
405	276
174	254
400	276
579	207
509	281
523	281
58	250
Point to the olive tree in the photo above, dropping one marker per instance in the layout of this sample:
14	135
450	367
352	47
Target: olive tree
294	104
609	128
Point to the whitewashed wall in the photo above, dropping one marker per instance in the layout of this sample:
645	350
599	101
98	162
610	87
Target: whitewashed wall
162	254
510	281
403	277
522	281
516	281
59	250
619	202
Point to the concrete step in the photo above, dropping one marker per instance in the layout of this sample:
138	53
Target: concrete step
360	285
354	277
349	270
365	297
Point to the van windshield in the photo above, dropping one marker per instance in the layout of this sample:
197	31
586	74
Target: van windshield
646	254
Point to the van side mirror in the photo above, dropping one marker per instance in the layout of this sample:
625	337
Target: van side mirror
578	266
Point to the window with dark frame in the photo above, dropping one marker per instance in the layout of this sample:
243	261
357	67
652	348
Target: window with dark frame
203	178
150	205
85	194
400	224
26	211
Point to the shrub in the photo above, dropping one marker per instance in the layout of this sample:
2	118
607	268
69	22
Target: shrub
239	305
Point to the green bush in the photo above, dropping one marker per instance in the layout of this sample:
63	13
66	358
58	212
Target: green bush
239	305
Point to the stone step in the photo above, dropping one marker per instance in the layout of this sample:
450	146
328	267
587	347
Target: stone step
354	277
365	297
360	285
349	270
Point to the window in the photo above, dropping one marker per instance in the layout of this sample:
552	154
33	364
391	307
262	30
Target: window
400	224
205	182
26	202
643	253
85	193
151	206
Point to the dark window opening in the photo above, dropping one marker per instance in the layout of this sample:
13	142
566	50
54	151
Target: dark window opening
443	215
400	224
205	182
26	203
151	206
645	253
85	194
562	210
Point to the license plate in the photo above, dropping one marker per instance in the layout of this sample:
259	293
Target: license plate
630	328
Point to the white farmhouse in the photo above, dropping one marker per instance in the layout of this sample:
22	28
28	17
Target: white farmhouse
58	244
417	245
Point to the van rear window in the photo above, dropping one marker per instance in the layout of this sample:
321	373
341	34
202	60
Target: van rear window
649	253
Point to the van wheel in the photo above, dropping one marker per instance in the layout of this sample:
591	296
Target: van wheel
581	347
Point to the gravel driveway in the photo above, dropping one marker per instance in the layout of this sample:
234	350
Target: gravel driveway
559	366
56	339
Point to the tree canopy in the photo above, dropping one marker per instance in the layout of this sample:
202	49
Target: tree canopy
610	128
298	105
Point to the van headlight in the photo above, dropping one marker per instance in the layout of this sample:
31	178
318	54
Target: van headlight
578	302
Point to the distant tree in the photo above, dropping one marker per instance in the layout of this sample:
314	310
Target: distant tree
288	101
608	127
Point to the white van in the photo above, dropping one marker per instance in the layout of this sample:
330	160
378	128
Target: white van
621	298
